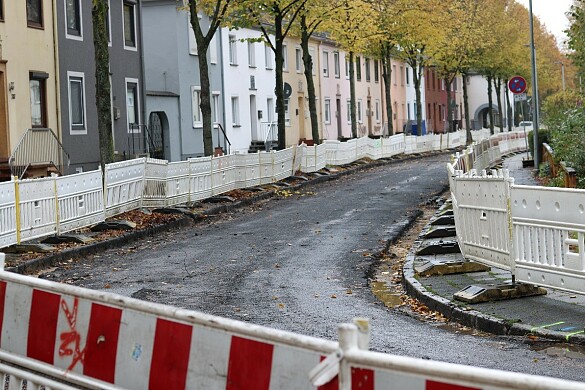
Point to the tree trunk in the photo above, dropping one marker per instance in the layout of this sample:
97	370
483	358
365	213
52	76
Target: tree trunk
508	106
416	77
500	110
450	103
387	77
308	63
468	136
353	115
490	104
279	88
102	81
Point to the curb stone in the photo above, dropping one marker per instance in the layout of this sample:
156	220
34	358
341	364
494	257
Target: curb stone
45	262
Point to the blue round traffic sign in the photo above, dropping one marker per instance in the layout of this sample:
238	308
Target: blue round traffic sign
517	84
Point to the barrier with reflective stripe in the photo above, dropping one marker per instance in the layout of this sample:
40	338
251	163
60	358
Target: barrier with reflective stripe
103	340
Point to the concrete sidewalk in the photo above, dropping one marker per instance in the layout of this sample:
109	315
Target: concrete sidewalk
558	315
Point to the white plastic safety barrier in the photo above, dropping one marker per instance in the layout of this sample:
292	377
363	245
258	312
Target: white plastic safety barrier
223	174
283	164
155	183
80	200
549	236
8	228
124	186
106	341
200	178
178	183
37	204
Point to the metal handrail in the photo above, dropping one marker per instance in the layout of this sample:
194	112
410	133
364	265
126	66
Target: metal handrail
268	133
226	140
38	146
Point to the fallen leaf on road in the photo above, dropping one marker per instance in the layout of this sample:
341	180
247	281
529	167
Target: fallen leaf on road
333	296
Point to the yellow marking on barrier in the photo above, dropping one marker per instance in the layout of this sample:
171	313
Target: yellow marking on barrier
547	326
574	333
17	204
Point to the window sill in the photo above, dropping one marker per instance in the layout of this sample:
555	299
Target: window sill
233	64
35	26
236	126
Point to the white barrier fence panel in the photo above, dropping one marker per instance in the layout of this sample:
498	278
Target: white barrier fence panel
81	200
283	163
38	208
482	219
124	186
7	214
155	183
178	183
410	144
223	174
266	167
200	178
549	236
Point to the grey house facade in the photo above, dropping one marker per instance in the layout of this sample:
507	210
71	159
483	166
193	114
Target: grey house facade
172	79
77	82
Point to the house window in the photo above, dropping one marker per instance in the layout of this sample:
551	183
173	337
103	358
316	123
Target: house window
251	54
196	106
359	111
77	102
367	64
402	76
326	64
73	17
455	84
34	13
38	96
327	110
1	10
233	50
336	64
268	57
287	112
129	26
192	39
132	106
376	71
408	110
215	106
108	24
235	111
213	50
394	73
407	75
284	58
377	107
358	68
346	68
298	59
348	110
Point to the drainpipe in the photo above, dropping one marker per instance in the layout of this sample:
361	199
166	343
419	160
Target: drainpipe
142	78
57	77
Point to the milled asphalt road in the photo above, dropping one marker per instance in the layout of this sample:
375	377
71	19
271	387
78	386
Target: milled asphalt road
299	263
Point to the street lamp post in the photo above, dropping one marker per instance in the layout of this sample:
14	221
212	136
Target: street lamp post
534	90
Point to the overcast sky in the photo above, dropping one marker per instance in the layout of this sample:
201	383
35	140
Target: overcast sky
552	14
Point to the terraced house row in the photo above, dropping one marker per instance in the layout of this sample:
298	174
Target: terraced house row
48	112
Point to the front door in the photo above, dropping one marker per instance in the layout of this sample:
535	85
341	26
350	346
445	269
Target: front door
157	144
4	133
253	118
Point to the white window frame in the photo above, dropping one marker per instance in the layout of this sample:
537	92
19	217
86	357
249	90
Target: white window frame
327	110
80	75
360	114
313	64
251	54
298	59
134	6
235	103
232	50
192	40
215	106
377	108
336	68
213	50
348	111
347	67
268	61
197	121
285	58
325	64
127	81
394	74
376	71
80	36
287	121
